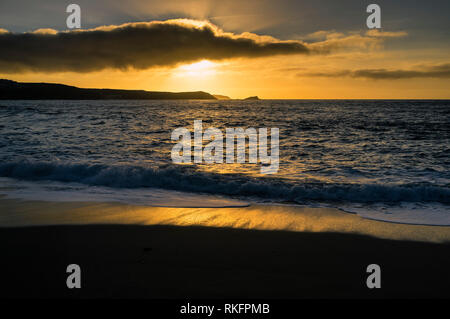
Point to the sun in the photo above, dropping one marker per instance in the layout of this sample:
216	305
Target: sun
202	75
202	68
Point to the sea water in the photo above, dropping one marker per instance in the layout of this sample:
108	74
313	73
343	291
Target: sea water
382	159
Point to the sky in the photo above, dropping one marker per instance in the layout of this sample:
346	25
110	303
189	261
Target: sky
281	49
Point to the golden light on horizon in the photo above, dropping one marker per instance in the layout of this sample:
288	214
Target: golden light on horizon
199	69
198	76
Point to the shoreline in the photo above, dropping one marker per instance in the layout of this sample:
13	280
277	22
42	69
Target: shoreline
20	213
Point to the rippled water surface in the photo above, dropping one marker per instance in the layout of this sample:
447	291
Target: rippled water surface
358	155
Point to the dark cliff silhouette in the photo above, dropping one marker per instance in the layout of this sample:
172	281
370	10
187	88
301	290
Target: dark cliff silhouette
252	98
11	90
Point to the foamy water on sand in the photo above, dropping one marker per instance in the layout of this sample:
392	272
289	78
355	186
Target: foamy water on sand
385	160
51	191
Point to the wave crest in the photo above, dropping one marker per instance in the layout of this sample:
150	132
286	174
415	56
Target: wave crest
184	179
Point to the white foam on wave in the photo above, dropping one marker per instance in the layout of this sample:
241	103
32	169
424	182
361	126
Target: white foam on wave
431	214
74	192
182	179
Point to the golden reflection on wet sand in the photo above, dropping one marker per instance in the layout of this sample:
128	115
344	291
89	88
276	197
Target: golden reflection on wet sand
265	217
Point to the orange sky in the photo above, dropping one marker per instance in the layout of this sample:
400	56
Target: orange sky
268	78
390	63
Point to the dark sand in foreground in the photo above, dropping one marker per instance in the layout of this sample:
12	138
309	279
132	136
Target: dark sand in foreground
205	262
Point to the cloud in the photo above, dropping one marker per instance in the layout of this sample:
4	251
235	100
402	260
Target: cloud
327	41
145	45
133	46
338	43
434	71
323	35
45	31
386	34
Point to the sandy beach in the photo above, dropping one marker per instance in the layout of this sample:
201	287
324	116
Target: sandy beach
128	251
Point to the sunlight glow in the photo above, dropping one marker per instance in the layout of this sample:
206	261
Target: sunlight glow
198	69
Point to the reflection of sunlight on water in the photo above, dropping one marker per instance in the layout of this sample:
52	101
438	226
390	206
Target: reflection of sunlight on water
263	217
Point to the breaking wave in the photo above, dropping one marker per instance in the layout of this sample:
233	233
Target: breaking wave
184	179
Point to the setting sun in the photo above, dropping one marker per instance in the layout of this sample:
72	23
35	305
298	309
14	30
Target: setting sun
198	69
201	75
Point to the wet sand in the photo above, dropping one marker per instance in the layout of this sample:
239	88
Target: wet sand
123	254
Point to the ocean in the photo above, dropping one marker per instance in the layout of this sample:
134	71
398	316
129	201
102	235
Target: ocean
381	159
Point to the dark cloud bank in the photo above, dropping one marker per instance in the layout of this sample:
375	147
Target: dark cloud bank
134	45
436	71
